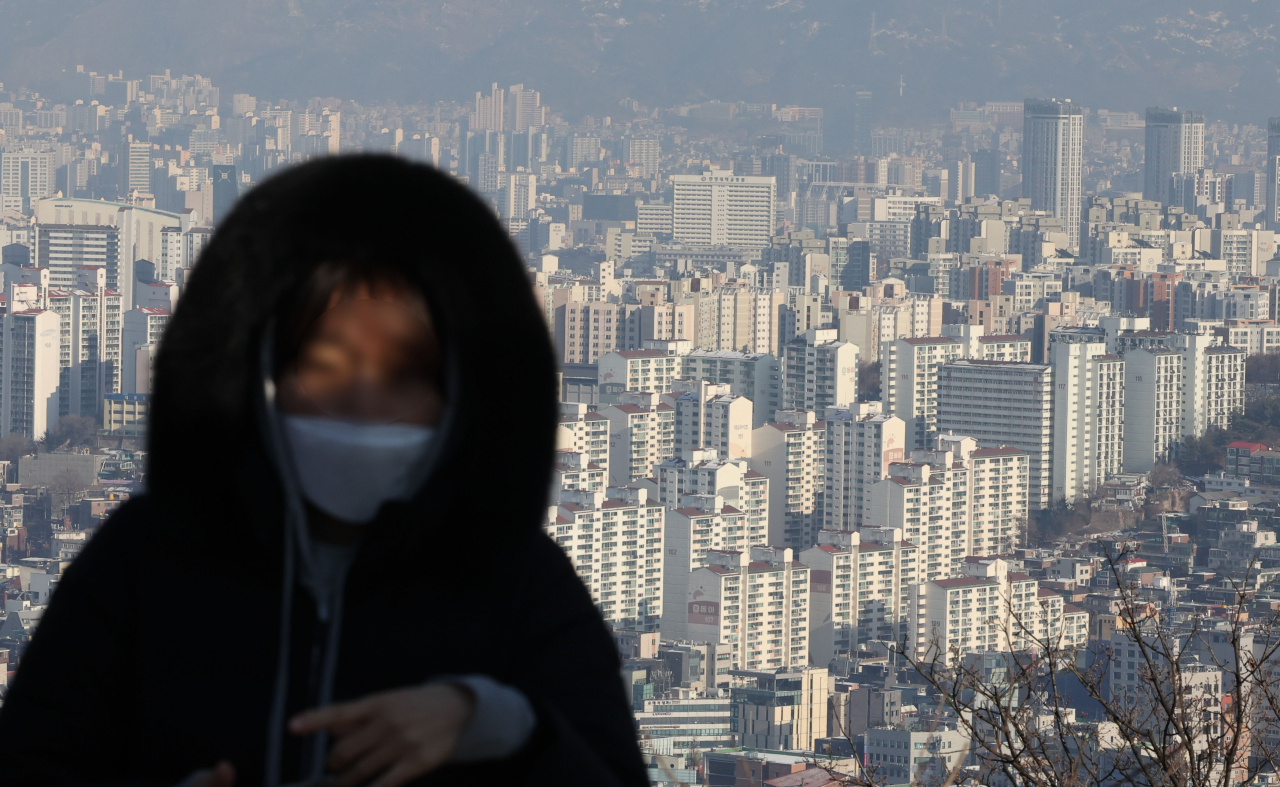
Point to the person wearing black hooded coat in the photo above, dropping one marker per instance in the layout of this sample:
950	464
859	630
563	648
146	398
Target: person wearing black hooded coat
158	653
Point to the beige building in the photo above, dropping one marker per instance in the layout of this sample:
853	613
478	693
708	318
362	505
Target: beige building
783	710
708	416
125	414
909	371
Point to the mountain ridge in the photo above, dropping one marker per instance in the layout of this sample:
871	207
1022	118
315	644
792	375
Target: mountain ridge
584	55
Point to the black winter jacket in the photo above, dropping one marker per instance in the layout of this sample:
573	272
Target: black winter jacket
157	655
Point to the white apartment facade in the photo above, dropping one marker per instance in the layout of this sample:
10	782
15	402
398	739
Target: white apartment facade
989	608
708	416
31	366
142	326
718	208
584	432
791	453
704	474
1000	499
699	525
1088	417
928	498
638	370
614	540
1004	404
909	371
861	444
858	583
641	435
757	376
819	371
755	605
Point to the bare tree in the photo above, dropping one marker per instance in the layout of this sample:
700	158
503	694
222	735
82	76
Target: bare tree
1176	697
64	489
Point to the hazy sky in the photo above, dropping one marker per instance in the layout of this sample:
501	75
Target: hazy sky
1221	57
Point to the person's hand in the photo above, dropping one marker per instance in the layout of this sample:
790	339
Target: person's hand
395	736
220	775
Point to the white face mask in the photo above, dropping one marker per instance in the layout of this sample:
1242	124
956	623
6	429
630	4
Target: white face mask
349	470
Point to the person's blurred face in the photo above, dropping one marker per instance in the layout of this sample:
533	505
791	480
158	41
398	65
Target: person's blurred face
372	357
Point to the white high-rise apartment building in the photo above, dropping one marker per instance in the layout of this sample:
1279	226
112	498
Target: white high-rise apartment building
90	354
644	154
1153	407
792	454
614	540
929	499
65	248
489	113
1053	160
1215	391
733	480
583	432
29	365
524	109
909	375
1175	143
141	326
641	435
709	417
999	492
757	376
1088	417
639	370
858	583
1245	252
1212	374
519	194
700	524
819	371
27	175
718	208
989	609
193	242
774	633
575	472
861	444
171	254
1004	404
